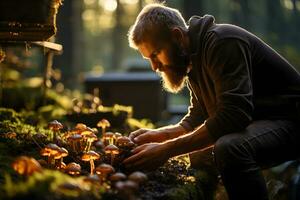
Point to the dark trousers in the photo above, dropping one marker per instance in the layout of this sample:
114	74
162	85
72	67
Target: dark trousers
240	156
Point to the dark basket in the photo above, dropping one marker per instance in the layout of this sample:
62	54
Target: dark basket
28	20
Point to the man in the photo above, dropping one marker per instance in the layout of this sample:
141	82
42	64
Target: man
243	98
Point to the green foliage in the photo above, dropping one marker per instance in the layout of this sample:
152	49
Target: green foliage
49	184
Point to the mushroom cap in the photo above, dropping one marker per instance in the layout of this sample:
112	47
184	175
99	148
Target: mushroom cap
86	133
127	186
117	135
103	123
111	149
123	141
90	155
75	137
44	152
52	148
92	137
80	126
73	168
108	135
55	125
92	178
64	152
138	177
99	144
117	177
104	169
26	165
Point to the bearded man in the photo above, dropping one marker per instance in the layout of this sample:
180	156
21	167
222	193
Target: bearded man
243	98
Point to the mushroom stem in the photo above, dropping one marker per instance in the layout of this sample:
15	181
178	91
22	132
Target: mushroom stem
92	166
112	157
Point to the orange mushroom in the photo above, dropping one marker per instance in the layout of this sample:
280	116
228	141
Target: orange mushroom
24	165
90	156
112	150
73	169
103	123
50	150
55	126
103	170
108	138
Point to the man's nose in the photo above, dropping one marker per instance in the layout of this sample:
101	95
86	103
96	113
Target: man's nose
155	65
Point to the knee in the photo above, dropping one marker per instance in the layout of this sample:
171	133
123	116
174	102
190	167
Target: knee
228	152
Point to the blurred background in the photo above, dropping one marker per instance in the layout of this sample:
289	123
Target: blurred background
96	57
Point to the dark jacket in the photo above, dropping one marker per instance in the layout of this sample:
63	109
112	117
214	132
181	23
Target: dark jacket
236	78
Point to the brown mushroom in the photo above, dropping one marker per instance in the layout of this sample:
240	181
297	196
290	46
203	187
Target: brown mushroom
50	150
127	189
103	124
117	177
24	165
73	169
60	156
89	138
75	141
112	150
55	126
90	156
116	136
124	142
103	170
108	138
138	177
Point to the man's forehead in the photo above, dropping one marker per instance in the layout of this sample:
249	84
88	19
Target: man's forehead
146	49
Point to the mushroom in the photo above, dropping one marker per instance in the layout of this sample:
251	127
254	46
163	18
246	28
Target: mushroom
108	138
50	150
124	142
80	127
103	123
138	177
73	169
91	156
127	189
89	138
103	170
116	136
75	141
93	179
112	150
99	145
55	126
117	177
24	165
60	156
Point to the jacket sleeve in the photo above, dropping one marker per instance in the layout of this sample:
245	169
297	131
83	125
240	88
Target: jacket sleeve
229	67
195	115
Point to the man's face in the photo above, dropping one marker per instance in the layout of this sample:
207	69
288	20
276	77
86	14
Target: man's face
169	61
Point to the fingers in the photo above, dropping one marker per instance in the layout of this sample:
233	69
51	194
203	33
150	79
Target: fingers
142	139
131	159
139	148
136	133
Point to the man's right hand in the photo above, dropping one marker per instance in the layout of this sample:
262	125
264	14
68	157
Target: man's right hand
144	135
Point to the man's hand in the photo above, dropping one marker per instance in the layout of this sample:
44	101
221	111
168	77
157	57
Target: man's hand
147	157
144	135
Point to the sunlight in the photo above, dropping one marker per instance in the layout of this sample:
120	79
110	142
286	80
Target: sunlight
129	1
288	4
109	5
89	2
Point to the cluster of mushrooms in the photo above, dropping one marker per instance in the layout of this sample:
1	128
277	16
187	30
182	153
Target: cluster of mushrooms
103	151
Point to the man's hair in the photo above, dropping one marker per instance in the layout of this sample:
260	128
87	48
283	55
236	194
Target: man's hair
154	22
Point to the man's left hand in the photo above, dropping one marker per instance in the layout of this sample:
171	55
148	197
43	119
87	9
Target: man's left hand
147	157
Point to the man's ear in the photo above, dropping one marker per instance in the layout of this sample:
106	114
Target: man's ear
177	35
